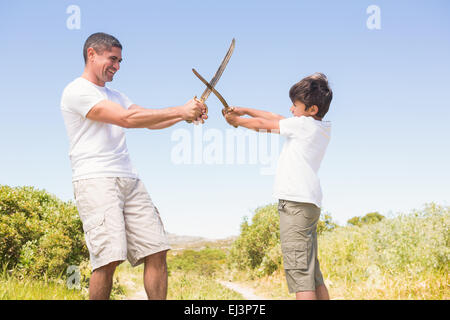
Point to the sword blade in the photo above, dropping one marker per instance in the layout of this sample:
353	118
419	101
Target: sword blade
219	72
211	88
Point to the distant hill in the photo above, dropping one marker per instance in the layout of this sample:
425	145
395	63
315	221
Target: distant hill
175	239
196	242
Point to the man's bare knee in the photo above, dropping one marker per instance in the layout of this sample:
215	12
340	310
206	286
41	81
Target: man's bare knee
161	256
108	269
157	259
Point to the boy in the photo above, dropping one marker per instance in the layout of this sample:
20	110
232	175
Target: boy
297	185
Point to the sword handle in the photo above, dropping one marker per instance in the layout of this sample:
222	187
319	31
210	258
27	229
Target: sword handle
225	111
199	100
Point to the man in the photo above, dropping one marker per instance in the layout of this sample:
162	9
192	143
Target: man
119	219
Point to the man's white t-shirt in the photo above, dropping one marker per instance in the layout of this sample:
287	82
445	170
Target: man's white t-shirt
296	176
97	149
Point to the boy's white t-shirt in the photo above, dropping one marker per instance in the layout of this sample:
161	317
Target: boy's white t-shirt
296	177
97	149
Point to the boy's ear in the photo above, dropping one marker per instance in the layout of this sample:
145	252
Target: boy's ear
313	110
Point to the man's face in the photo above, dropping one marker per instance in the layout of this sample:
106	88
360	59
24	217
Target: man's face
105	65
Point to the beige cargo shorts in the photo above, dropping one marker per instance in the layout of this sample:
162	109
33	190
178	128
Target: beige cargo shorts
119	220
298	233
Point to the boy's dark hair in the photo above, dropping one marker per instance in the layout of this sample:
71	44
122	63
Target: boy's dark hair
100	42
313	90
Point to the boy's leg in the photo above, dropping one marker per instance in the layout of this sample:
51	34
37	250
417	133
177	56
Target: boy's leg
101	281
321	289
298	223
306	295
322	292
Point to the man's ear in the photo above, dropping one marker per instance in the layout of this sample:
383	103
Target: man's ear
90	54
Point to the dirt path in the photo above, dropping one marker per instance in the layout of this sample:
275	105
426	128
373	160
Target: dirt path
246	292
138	292
138	295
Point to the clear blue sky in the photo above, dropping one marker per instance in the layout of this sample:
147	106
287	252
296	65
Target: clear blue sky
390	141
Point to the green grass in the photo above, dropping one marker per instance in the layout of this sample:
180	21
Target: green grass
17	285
12	288
192	276
192	286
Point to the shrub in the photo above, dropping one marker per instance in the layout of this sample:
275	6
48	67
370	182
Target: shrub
413	243
250	249
38	232
326	224
205	262
370	218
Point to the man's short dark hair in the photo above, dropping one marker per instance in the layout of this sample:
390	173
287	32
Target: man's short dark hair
100	42
313	90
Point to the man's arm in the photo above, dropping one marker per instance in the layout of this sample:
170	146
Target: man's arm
161	125
138	117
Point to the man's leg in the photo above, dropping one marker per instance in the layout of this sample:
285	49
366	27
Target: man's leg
100	207
155	276
101	281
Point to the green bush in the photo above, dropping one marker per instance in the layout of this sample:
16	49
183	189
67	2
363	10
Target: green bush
413	243
325	224
205	262
39	234
370	218
254	247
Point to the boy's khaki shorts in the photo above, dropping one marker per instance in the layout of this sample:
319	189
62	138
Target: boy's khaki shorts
298	224
119	220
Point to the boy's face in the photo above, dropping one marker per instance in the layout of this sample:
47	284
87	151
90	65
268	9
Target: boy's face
298	110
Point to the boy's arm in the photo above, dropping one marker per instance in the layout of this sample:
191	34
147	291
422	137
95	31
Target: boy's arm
255	113
257	124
